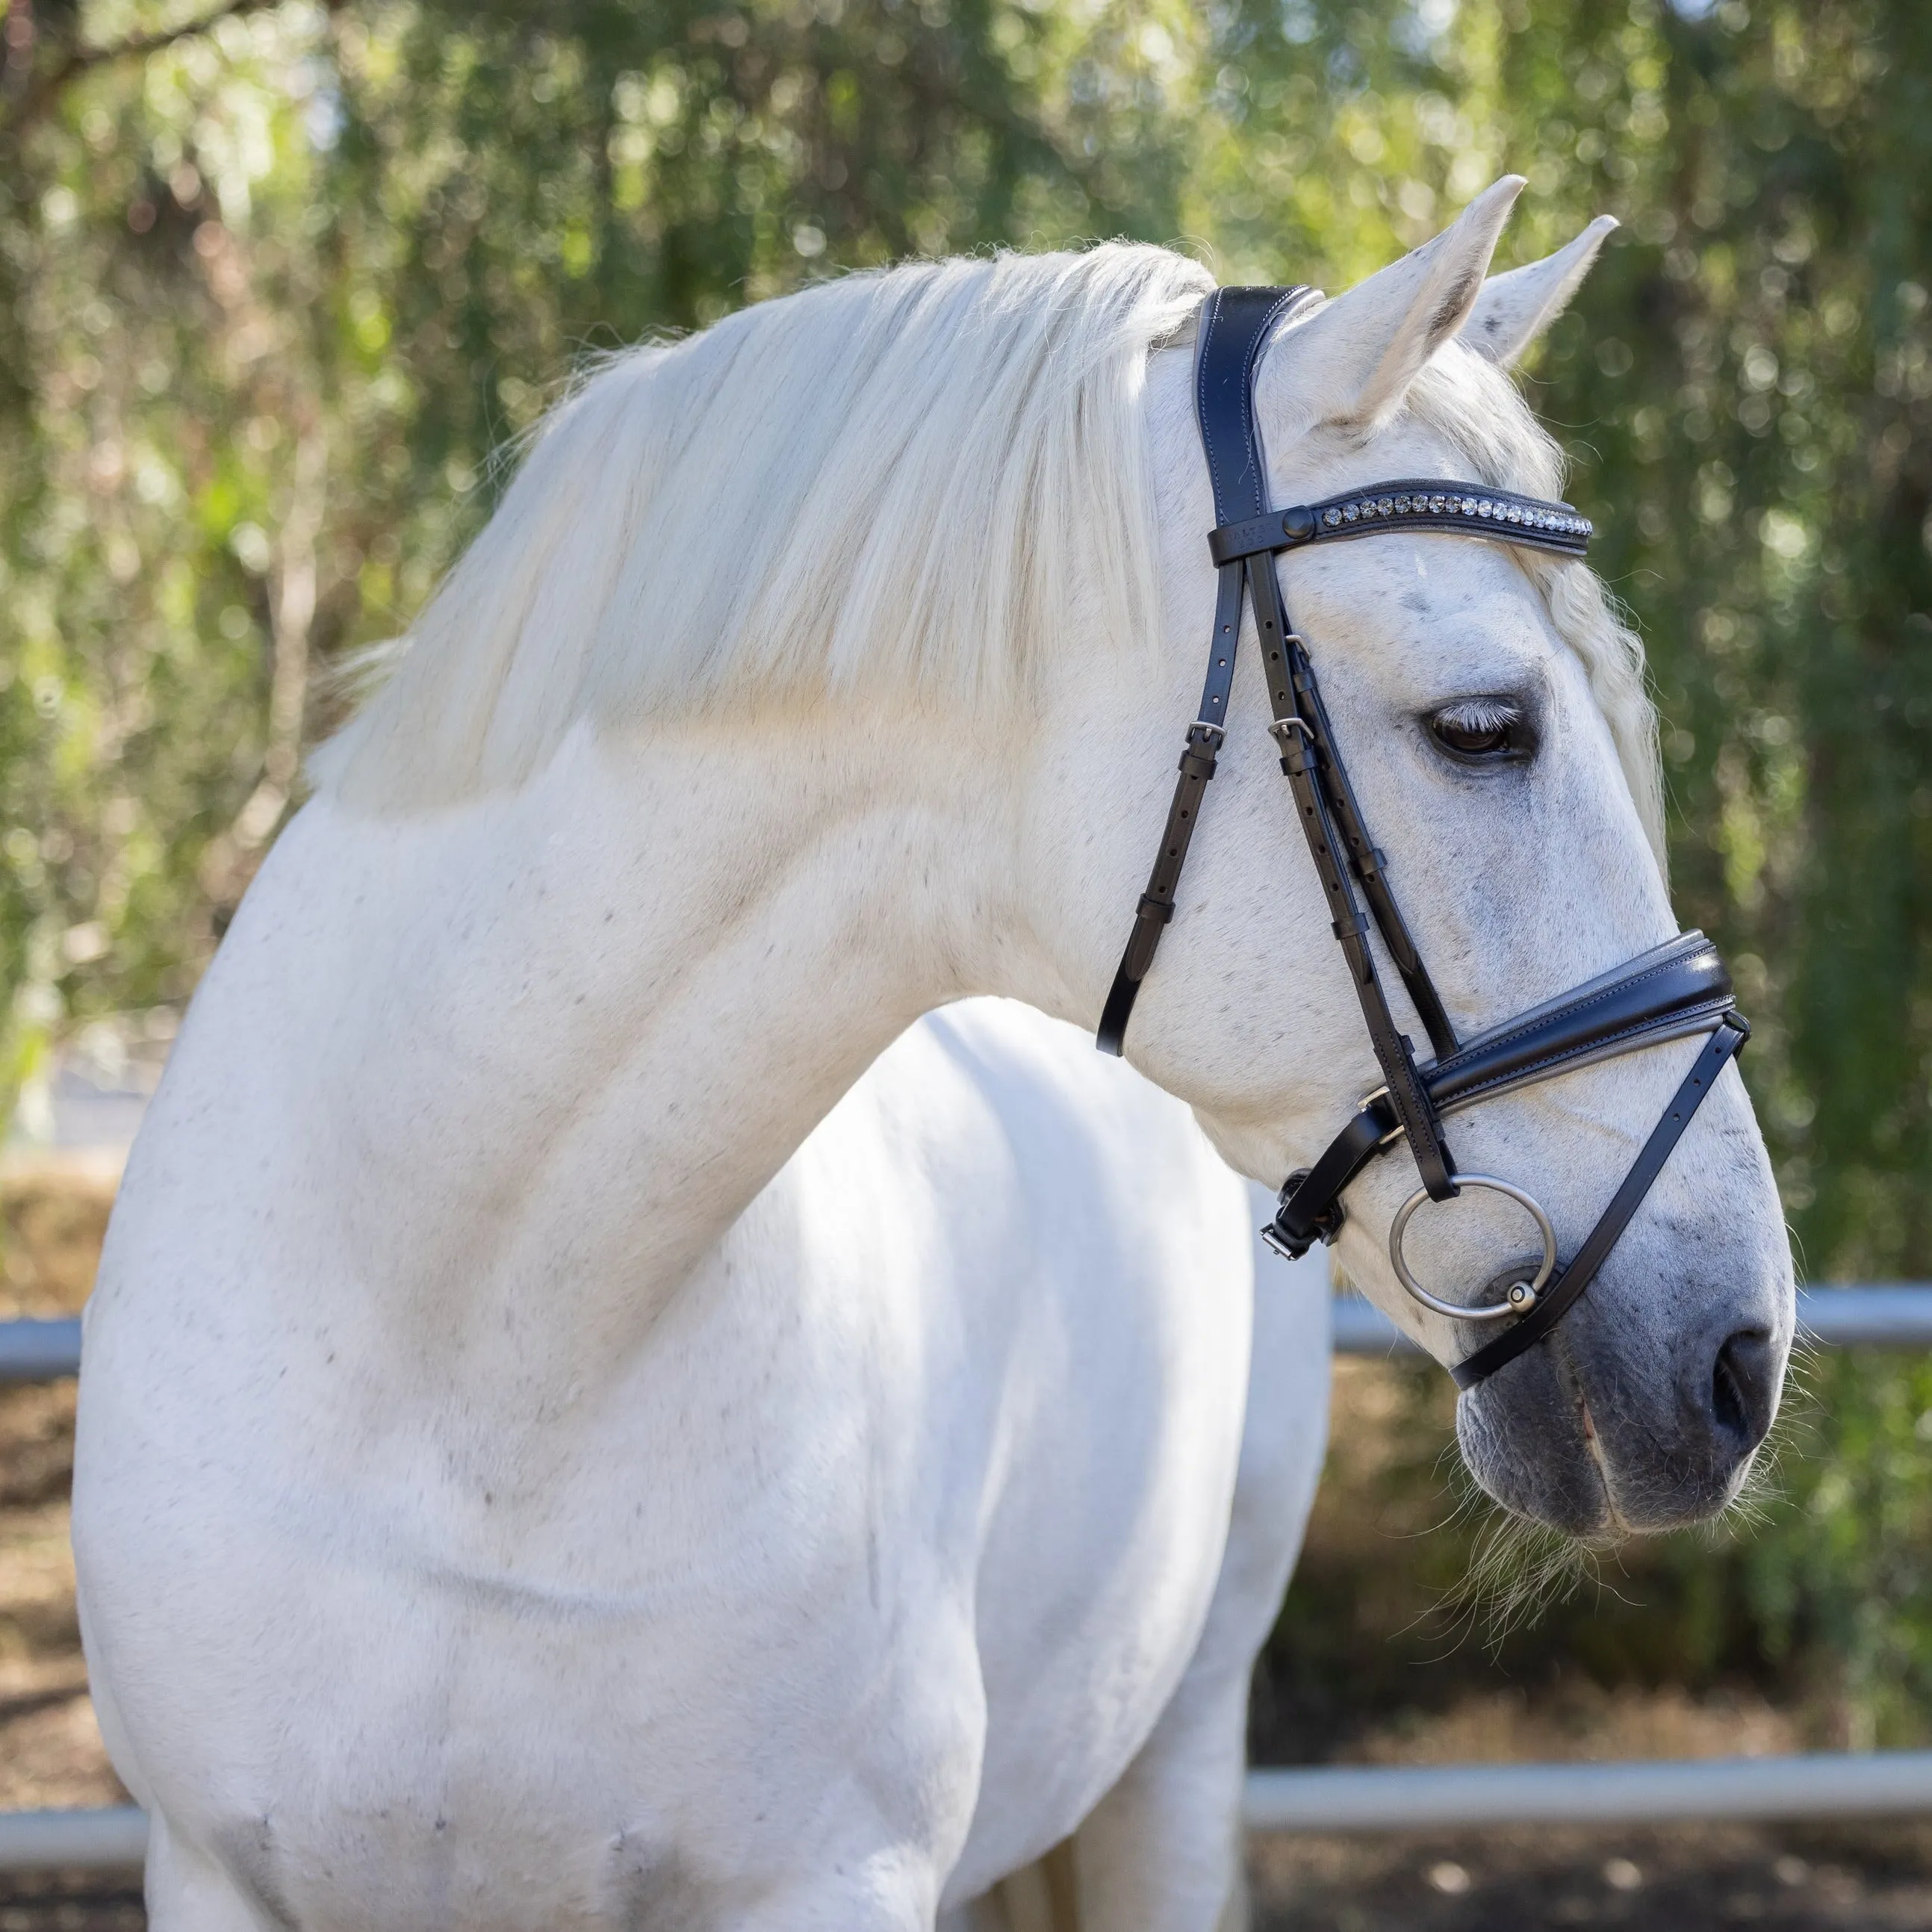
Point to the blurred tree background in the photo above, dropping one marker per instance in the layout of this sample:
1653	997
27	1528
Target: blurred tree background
277	281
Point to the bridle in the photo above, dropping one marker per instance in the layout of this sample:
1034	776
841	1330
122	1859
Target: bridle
1678	988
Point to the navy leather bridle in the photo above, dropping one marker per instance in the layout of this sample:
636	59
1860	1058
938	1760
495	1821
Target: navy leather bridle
1678	988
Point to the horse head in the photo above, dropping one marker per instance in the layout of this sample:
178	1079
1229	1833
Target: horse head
1502	751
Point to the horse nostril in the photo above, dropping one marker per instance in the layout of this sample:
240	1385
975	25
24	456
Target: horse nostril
1743	1387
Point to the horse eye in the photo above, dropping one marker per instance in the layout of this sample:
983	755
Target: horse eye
1481	729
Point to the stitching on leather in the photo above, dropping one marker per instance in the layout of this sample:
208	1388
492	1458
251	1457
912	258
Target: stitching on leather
1579	1006
1252	454
1276	309
1549	540
1200	395
1636	1029
1459	486
1530	1069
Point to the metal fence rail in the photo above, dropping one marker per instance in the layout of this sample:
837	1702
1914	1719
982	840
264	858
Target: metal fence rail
39	1351
105	1840
1466	1797
1898	1315
1340	1799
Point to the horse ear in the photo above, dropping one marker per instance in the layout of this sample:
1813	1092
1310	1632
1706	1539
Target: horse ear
1513	310
1352	361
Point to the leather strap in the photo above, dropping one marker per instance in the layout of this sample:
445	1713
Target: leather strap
1365	858
1156	905
1679	987
1302	749
1568	1284
1235	325
1238	322
1414	503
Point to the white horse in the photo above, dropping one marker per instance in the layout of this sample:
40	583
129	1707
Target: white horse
499	1502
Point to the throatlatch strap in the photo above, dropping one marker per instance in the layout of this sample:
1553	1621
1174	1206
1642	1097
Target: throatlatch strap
1241	321
1156	905
1568	1284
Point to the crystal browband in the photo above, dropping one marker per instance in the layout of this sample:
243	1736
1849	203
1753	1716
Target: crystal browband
1420	503
1417	502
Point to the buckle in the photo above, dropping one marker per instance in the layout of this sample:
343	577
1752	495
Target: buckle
1324	1227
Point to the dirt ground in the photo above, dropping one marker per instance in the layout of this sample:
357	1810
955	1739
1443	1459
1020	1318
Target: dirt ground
1800	1879
1678	1881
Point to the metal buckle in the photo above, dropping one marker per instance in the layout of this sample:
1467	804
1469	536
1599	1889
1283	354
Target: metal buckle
1396	1132
1277	1244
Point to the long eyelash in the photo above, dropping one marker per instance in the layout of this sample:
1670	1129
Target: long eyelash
1480	714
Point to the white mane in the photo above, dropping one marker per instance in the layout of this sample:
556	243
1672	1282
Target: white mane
888	481
891	481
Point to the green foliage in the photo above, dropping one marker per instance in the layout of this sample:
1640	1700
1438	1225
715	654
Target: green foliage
275	293
278	280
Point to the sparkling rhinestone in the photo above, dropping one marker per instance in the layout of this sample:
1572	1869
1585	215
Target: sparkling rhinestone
1438	503
1468	506
1386	506
1350	511
1331	517
1515	514
1485	508
1589	528
1401	506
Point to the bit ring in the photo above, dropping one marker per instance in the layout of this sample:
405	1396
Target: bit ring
1520	1299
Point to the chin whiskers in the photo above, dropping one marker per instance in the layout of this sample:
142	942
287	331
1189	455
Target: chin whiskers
1515	1571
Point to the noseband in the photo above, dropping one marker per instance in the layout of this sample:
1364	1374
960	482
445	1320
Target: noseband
1678	988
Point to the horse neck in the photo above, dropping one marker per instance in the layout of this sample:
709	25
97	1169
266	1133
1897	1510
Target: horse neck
625	995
